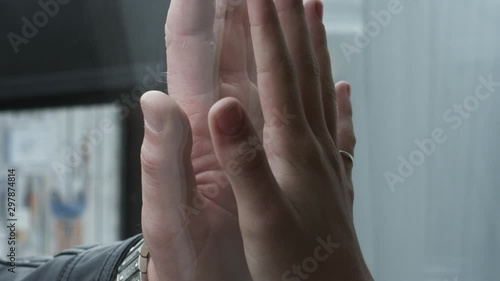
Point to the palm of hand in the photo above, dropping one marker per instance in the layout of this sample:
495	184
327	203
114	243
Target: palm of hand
212	213
211	210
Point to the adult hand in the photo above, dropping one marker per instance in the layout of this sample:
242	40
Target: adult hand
189	216
293	194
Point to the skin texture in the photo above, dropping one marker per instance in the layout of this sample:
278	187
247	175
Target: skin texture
241	173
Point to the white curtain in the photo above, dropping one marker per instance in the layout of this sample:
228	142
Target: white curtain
421	97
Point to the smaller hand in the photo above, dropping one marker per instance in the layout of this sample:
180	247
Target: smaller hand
294	193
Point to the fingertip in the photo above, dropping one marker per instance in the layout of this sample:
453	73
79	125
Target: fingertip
343	88
230	119
227	117
344	105
164	123
152	121
150	97
235	140
314	9
161	112
319	9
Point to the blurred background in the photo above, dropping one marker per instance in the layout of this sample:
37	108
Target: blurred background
71	75
426	86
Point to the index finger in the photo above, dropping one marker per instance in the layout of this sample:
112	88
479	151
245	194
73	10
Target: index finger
277	83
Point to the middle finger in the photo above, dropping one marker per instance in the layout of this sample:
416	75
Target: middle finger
292	18
191	57
276	75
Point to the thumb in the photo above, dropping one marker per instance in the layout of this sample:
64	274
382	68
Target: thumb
267	220
167	182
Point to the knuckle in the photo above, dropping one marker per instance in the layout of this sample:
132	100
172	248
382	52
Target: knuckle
311	68
263	20
280	62
329	90
305	149
313	154
295	6
347	132
186	40
315	66
271	221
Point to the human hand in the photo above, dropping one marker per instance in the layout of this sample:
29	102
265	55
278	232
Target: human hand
294	192
189	214
295	196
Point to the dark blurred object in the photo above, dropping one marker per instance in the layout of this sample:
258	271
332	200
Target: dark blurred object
68	52
79	46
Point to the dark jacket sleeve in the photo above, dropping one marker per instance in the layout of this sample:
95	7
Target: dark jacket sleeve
89	263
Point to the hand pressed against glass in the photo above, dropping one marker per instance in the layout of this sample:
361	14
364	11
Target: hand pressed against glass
218	205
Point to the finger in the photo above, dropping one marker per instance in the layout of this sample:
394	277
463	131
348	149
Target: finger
243	158
293	23
191	57
167	184
345	127
251	67
233	62
267	221
314	14
276	76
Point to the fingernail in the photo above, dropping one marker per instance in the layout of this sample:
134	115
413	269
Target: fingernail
153	122
349	90
319	9
230	119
